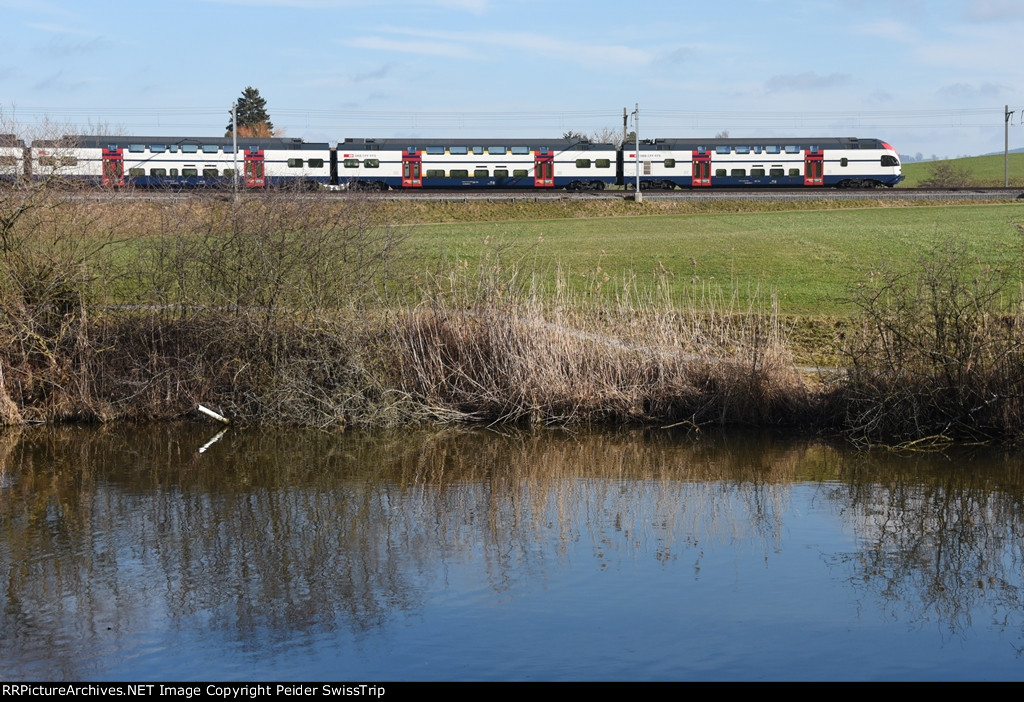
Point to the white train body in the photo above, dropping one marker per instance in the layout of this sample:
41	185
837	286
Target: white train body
458	163
475	163
12	158
735	163
182	161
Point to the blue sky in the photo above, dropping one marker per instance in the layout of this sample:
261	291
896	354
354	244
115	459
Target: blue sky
929	77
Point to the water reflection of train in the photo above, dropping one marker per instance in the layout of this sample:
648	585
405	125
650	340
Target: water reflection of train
380	164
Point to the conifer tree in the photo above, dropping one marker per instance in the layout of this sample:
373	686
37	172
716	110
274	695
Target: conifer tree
252	116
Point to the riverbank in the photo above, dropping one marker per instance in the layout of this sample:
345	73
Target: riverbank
305	312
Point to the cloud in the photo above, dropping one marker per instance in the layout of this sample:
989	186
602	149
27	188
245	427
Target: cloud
482	46
423	48
970	91
804	82
994	10
680	55
375	74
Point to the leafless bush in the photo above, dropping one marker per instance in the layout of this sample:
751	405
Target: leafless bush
938	356
945	174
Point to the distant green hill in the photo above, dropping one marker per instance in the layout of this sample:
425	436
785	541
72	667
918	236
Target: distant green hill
984	171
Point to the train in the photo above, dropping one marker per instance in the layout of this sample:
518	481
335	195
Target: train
411	163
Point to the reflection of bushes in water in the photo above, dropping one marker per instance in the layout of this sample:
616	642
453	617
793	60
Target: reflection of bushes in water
300	531
936	541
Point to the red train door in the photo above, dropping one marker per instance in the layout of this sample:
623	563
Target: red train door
113	167
701	170
814	168
255	172
412	170
544	170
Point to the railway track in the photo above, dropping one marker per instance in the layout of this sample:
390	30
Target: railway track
521	195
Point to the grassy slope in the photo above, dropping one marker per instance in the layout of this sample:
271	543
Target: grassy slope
984	170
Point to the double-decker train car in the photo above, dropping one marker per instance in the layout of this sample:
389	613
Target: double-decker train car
13	161
475	163
762	163
182	161
410	163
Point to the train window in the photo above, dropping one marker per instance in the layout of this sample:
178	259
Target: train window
209	172
174	173
173	148
722	149
844	162
158	172
209	148
890	161
371	163
794	171
435	173
136	172
738	172
229	149
757	149
777	172
189	172
136	148
157	148
295	163
792	149
520	173
458	150
192	148
229	172
606	163
48	161
496	150
720	172
757	172
316	163
351	163
478	150
68	160
8	160
501	173
774	149
583	163
481	173
519	150
435	150
459	173
669	163
702	149
743	149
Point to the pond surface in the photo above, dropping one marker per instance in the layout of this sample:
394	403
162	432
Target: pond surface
128	554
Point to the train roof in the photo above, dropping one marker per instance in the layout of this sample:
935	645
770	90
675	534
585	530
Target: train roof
802	142
87	141
390	144
10	140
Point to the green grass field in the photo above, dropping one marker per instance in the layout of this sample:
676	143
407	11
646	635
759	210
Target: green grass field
810	259
984	171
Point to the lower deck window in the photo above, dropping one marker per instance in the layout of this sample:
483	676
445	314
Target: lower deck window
520	173
459	173
435	173
481	173
210	173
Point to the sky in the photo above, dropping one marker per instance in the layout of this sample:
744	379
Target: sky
930	77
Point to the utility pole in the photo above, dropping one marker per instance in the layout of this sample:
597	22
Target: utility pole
1006	145
234	151
636	125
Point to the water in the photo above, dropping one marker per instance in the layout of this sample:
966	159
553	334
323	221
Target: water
476	555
